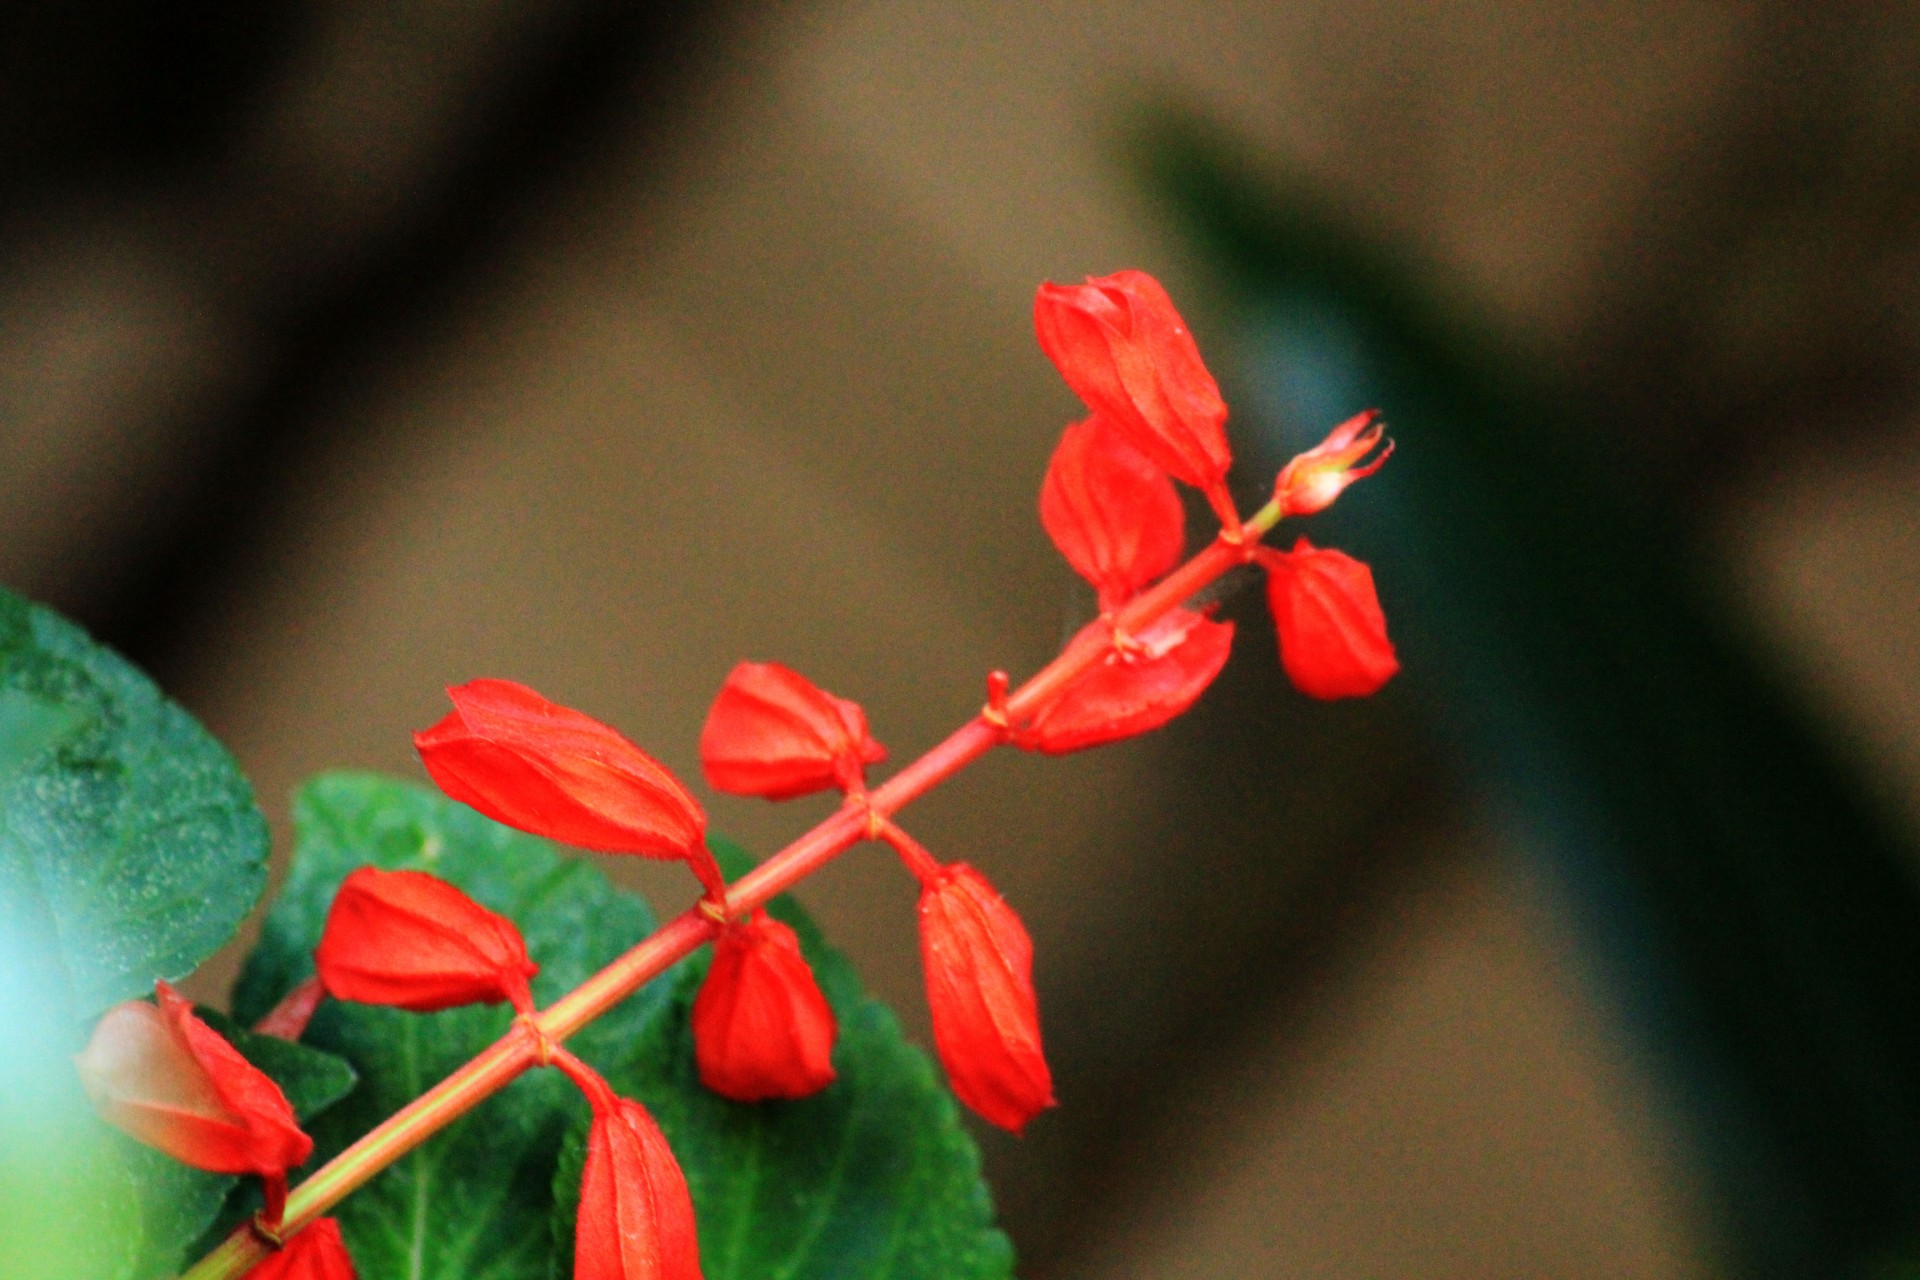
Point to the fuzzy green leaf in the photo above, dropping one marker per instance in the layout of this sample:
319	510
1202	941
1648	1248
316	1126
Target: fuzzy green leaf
130	845
872	1179
474	1202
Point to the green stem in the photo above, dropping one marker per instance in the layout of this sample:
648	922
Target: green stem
501	1062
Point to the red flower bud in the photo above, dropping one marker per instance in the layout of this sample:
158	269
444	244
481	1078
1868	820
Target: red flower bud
636	1218
1113	514
773	733
406	939
317	1253
1159	675
1315	478
1124	350
169	1080
761	1028
1333	637
986	1025
550	770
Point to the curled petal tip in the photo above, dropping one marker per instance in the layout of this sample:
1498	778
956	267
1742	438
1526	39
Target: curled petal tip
1313	480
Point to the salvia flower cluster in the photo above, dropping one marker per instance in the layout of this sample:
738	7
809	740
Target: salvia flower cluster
762	1029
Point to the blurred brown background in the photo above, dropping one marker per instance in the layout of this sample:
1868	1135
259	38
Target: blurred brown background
348	350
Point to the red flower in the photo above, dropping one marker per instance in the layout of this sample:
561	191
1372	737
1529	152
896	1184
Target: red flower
317	1253
773	733
1136	689
169	1080
636	1218
986	1025
1315	478
1124	350
761	1028
1333	637
406	939
1113	514
550	770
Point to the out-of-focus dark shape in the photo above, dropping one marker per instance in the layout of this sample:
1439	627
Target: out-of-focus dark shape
1758	915
212	215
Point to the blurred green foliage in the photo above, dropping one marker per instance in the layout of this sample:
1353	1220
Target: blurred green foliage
1756	916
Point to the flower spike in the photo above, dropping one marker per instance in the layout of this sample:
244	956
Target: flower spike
986	1023
1312	481
316	1253
773	733
761	1027
1333	636
1125	351
1113	514
161	1075
410	940
555	772
1139	687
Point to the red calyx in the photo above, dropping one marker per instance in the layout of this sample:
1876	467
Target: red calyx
1315	478
407	939
1125	351
316	1253
773	733
986	1023
1113	514
1135	689
636	1218
555	772
1333	636
169	1080
761	1027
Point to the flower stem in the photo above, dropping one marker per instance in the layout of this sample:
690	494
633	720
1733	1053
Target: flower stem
501	1062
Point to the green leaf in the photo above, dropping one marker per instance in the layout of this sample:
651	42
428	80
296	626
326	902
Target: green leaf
474	1202
178	1204
130	845
873	1178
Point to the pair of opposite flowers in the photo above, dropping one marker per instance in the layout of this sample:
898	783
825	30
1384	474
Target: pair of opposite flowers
762	1027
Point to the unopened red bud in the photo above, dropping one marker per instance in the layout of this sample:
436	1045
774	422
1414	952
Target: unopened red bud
1333	636
1315	478
1113	514
761	1027
773	733
986	1024
1135	689
316	1253
1125	351
555	772
166	1078
636	1218
407	939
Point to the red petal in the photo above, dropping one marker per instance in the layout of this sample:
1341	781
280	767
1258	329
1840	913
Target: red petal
1124	350
1113	514
636	1218
1333	636
170	1081
407	939
550	770
288	1019
1133	693
316	1253
986	1023
761	1027
773	733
